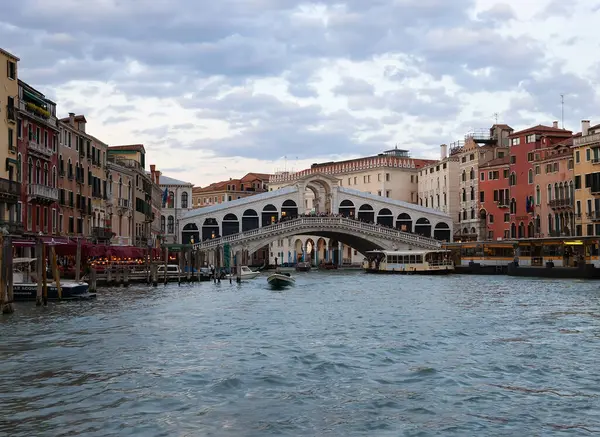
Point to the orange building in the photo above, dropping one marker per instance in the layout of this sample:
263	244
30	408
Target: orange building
233	189
494	198
554	190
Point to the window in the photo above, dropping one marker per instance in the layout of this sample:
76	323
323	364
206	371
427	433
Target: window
472	193
162	224
491	218
482	196
11	147
29	216
472	174
171	200
387	193
482	176
537	169
513	159
530	138
471	157
530	176
11	69
513	179
184	199
515	141
171	225
530	156
538	195
506	217
464	175
570	165
387	177
577	156
587	154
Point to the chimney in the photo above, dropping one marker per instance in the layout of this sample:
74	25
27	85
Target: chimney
585	127
72	119
443	151
555	124
158	177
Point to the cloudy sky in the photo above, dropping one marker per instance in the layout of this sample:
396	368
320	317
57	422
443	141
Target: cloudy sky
215	89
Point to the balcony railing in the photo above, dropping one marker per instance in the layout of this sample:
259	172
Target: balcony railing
502	204
34	110
43	192
561	203
12	227
10	188
594	215
40	149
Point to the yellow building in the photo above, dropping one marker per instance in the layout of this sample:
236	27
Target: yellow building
10	187
586	153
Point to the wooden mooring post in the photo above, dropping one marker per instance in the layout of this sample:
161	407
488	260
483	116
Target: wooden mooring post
55	273
44	276
38	273
6	295
154	269
126	277
189	265
179	267
93	281
166	263
78	261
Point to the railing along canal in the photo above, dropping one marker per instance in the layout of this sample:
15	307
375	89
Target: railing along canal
326	222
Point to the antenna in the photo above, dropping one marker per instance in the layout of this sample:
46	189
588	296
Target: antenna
495	115
562	110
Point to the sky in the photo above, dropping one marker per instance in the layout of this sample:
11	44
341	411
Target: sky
216	89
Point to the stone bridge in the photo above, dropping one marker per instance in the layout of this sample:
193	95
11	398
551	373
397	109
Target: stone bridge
368	218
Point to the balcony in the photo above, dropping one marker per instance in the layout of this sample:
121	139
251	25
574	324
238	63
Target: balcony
594	216
12	227
11	114
561	203
102	234
10	190
585	140
502	204
43	193
40	150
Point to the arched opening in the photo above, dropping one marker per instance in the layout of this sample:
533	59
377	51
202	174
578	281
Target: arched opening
298	250
531	230
442	232
210	229
423	227
347	208
309	252
190	234
334	250
366	213
184	200
538	225
483	215
249	220
231	224
321	253
521	233
269	215
289	210
385	218
404	222
171	200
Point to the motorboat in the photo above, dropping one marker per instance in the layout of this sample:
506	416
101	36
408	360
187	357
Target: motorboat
246	273
303	267
280	280
25	286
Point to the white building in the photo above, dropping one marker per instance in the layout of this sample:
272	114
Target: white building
178	201
439	185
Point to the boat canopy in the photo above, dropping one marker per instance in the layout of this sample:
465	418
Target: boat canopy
23	260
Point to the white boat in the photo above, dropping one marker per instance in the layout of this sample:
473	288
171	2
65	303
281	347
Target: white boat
280	280
245	274
25	289
419	262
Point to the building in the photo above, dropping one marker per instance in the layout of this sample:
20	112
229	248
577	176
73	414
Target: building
174	204
233	189
37	133
120	188
11	169
494	198
392	173
438	184
525	146
478	148
133	157
586	151
554	190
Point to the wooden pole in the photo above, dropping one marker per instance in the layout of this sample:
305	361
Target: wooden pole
93	280
55	273
166	263
179	266
44	276
189	265
8	261
78	261
5	303
38	273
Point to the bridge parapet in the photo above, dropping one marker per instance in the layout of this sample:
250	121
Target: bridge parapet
314	225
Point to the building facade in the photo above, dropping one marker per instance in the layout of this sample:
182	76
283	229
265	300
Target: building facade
494	196
438	184
478	148
525	146
10	170
586	153
233	189
37	133
120	203
177	201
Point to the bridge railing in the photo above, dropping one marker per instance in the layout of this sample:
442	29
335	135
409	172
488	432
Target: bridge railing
325	222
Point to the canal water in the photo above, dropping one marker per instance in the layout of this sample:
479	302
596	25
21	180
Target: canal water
340	354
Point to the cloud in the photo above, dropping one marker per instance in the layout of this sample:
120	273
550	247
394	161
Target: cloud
259	79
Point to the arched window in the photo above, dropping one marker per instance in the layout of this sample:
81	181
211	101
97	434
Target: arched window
121	188
513	206
171	225
54	176
129	192
530	176
472	193
549	193
538	195
549	224
571	193
472	213
438	199
162	224
556	192
472	173
30	171
45	173
464	175
38	172
512	179
445	200
184	199
464	195
171	200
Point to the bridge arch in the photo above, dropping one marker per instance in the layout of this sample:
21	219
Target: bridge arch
347	208
442	231
404	222
423	227
366	213
190	234
210	229
249	220
289	209
269	215
230	224
321	187
385	218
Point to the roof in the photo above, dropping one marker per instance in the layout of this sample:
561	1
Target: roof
77	118
136	147
505	160
251	176
542	128
165	180
10	55
215	186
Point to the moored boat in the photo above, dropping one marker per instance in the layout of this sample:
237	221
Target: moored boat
280	280
24	289
303	267
246	273
420	262
328	266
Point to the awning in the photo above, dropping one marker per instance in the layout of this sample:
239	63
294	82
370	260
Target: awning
38	100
